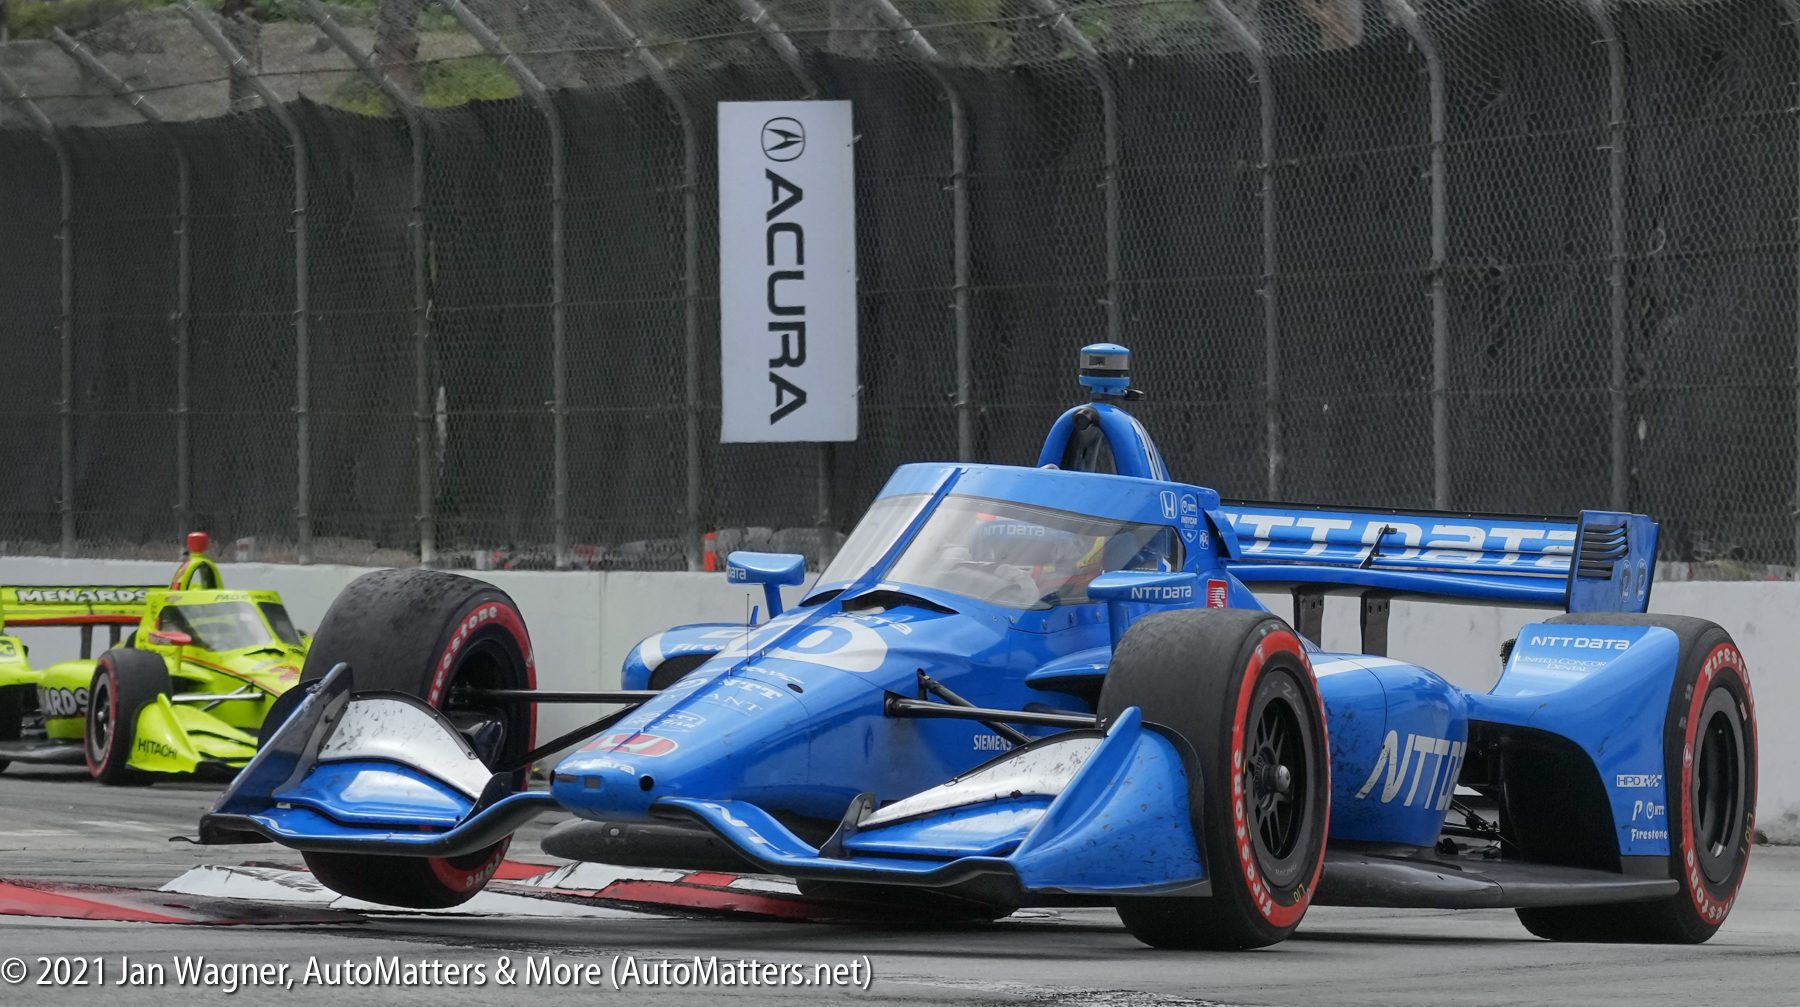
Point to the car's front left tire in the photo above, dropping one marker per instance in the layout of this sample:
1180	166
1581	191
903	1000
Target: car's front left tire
125	681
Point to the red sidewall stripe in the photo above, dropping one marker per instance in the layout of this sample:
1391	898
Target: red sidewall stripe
1713	910
491	612
112	706
466	879
1277	913
482	615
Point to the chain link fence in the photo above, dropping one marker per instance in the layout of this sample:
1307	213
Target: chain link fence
398	281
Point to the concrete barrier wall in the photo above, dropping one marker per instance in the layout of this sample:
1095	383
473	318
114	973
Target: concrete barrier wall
583	625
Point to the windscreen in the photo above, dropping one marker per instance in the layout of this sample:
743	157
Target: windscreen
221	625
873	536
280	623
1004	553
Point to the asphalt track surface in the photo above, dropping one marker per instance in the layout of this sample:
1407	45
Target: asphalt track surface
55	826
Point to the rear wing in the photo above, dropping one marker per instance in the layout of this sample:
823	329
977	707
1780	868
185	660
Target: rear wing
73	605
1600	561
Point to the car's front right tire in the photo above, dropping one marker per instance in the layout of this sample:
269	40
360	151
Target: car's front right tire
1235	684
431	635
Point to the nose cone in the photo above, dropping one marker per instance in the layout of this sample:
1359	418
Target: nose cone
604	781
709	735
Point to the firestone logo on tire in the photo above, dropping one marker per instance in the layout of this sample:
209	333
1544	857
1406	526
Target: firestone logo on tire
472	622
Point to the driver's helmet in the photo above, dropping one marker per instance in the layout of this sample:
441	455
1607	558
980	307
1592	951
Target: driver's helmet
1131	550
174	619
1039	548
1057	560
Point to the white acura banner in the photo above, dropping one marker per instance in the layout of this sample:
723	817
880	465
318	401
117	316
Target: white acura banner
787	271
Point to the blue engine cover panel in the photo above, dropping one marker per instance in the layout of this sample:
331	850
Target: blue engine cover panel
1398	735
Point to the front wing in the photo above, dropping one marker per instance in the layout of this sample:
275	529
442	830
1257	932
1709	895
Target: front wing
1080	813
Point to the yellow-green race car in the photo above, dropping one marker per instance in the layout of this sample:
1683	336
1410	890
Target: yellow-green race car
185	692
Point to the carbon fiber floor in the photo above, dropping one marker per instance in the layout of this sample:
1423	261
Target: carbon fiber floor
55	826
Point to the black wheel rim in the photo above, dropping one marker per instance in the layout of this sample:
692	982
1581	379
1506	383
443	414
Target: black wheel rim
489	727
496	732
1279	751
100	725
1718	781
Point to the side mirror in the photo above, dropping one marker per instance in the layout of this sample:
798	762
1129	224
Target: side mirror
1134	587
770	569
171	638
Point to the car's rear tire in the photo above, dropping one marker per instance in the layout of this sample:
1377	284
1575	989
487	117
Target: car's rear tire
125	681
1710	771
1236	685
428	634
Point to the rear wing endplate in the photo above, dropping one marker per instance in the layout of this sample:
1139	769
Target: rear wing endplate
1601	561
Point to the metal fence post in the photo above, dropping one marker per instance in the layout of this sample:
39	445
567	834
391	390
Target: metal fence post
240	69
690	264
778	40
1252	46
1404	13
1617	307
421	309
1793	12
66	310
932	61
539	95
1072	36
184	282
789	54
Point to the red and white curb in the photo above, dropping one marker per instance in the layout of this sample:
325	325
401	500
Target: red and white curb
64	900
584	891
251	894
293	887
656	889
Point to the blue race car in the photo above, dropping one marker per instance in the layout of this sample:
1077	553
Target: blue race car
1053	685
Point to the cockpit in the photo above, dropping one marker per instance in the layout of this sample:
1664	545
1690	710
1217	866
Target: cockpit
230	625
1001	552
